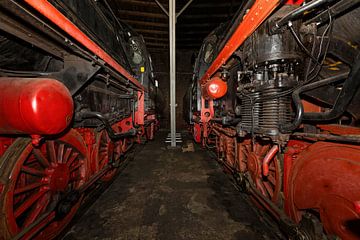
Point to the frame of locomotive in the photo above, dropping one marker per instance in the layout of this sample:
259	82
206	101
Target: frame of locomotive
275	94
77	92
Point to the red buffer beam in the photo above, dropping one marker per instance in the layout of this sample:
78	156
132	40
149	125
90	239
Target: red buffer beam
55	16
252	20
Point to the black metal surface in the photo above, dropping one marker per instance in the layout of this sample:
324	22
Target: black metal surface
349	89
112	135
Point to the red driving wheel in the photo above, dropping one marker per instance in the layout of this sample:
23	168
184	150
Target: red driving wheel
269	186
106	152
36	182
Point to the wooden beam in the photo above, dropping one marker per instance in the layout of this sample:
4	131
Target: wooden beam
139	3
206	16
200	25
146	23
163	16
140	14
157	44
155	39
139	30
194	5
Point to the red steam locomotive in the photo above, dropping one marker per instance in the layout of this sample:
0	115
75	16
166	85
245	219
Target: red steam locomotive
275	94
76	92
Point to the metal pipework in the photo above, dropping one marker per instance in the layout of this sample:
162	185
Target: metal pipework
268	157
298	104
344	98
257	14
112	135
335	10
297	13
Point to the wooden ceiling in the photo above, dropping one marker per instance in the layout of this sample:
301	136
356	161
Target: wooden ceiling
193	25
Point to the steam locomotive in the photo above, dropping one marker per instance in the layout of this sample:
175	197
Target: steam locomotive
275	95
76	93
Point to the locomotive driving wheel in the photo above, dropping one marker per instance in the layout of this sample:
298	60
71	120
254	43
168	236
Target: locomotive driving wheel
40	196
106	152
270	185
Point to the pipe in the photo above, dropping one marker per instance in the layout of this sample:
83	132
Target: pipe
335	10
349	89
268	157
55	16
296	13
298	104
112	135
256	16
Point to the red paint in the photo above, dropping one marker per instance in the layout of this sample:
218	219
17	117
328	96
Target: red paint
357	206
34	106
140	112
252	20
197	132
207	110
294	147
326	177
268	157
340	129
125	124
294	2
63	168
215	88
55	16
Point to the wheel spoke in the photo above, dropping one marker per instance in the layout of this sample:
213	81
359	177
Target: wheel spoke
28	188
76	178
40	157
75	167
67	155
271	179
50	147
28	203
40	207
263	151
260	186
33	171
60	153
269	189
72	159
272	168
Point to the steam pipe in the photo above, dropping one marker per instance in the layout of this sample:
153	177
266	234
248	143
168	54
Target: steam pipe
296	13
268	157
112	135
344	98
297	100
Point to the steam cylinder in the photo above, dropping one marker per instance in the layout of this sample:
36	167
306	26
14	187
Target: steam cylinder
34	106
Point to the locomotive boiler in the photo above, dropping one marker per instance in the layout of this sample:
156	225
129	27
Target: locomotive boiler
76	93
275	95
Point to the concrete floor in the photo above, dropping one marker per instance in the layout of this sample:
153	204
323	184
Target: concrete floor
170	195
